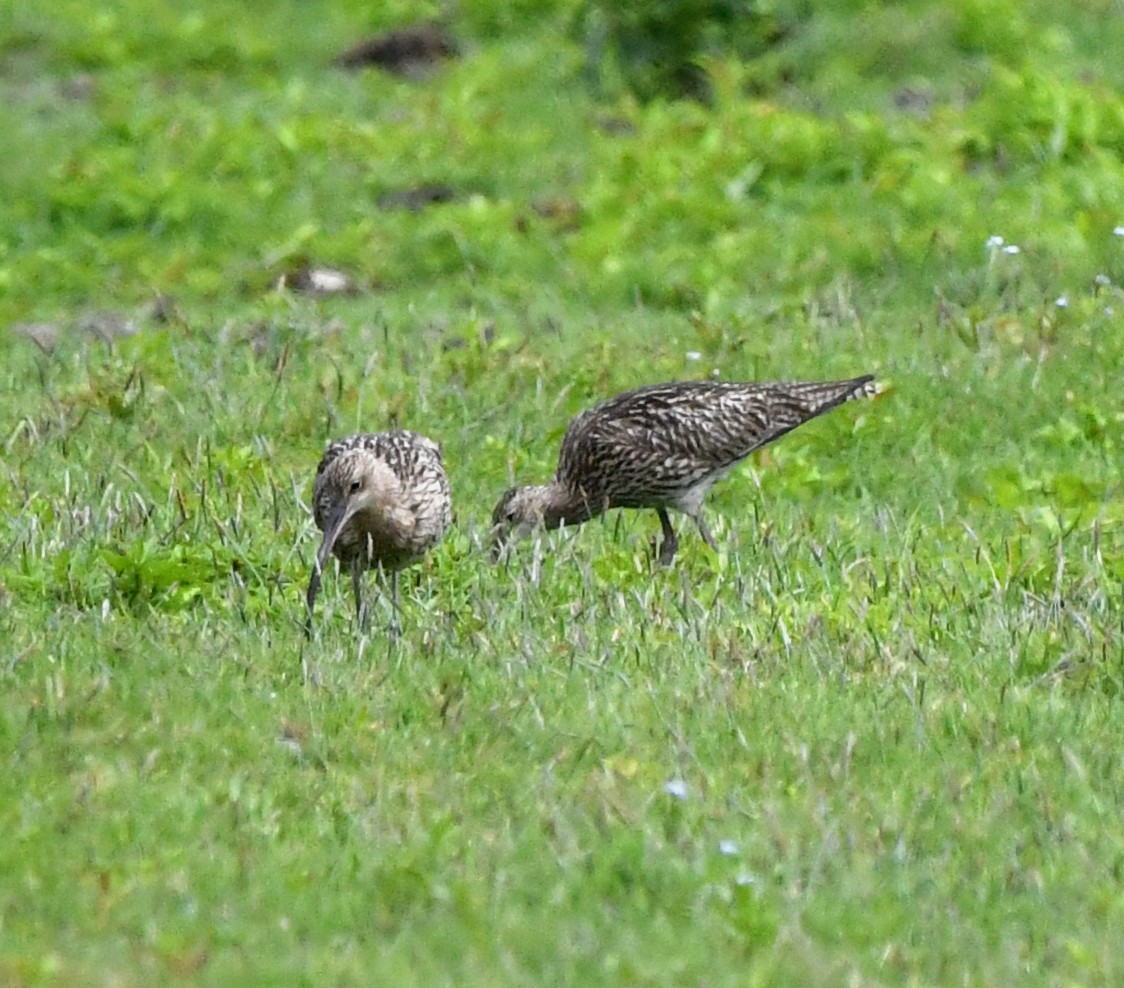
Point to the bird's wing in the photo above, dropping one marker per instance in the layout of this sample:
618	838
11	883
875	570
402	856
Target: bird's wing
673	435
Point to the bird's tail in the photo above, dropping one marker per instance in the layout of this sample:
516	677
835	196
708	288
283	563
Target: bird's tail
822	396
791	404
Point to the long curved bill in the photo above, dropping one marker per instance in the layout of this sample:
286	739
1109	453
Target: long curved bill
498	542
336	520
503	537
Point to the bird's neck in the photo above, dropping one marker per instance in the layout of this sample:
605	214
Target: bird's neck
561	505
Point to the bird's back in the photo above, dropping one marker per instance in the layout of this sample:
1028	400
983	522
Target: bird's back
650	445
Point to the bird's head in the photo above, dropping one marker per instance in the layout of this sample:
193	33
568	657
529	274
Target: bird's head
519	512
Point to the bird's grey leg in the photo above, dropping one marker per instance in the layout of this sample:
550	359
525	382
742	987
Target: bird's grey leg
670	545
361	614
395	625
704	530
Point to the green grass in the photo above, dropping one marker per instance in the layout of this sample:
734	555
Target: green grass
889	706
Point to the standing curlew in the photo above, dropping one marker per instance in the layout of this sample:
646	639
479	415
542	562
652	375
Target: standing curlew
382	502
663	447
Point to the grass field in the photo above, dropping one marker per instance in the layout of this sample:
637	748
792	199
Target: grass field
874	739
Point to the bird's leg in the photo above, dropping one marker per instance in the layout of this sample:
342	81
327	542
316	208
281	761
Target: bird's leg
670	545
361	612
395	625
704	530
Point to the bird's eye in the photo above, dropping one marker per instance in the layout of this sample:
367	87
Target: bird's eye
354	488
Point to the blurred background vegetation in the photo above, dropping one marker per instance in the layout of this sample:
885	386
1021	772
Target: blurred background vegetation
731	158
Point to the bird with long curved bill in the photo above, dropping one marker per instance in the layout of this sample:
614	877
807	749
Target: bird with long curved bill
382	501
663	447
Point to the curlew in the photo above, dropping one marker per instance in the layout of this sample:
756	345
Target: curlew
664	447
382	501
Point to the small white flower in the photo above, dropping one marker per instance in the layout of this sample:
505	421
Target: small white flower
1118	231
676	788
1109	310
727	847
1011	249
693	356
1103	280
1062	301
994	241
745	878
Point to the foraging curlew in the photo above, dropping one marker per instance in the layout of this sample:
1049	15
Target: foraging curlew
382	502
663	447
